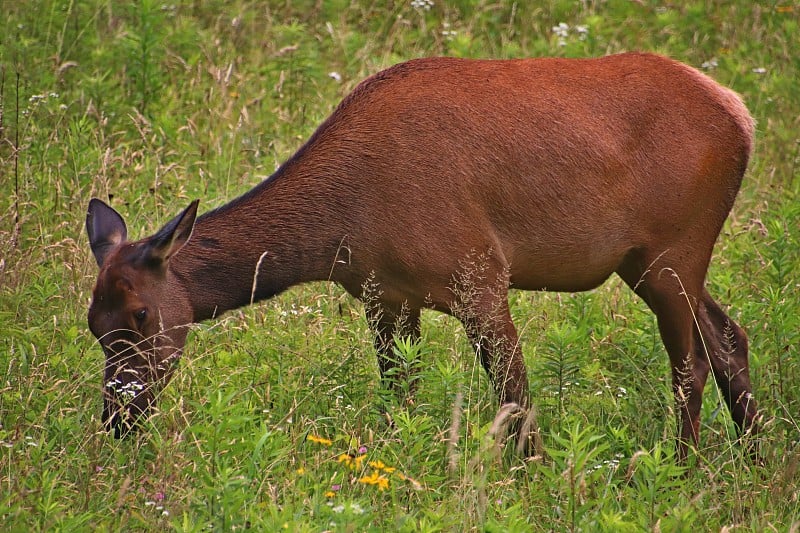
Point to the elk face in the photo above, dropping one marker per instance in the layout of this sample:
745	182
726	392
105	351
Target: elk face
139	311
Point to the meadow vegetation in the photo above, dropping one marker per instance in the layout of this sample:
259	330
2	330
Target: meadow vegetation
274	419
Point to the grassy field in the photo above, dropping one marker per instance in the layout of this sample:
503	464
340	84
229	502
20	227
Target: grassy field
273	420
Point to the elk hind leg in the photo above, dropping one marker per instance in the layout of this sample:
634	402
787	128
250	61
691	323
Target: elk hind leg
724	344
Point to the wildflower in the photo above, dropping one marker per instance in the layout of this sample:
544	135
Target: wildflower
356	508
330	494
710	64
300	471
562	30
353	463
759	70
422	4
379	465
448	33
362	450
375	479
319	440
335	76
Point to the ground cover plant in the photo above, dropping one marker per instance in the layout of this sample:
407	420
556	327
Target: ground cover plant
274	420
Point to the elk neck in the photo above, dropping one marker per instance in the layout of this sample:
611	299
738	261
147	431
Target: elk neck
283	232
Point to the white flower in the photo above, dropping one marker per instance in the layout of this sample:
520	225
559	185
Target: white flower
710	64
335	75
447	33
422	4
562	30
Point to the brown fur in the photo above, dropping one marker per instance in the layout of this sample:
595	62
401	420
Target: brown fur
556	173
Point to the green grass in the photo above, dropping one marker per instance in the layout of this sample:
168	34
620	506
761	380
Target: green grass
158	103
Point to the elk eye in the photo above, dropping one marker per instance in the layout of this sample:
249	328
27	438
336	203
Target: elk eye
140	314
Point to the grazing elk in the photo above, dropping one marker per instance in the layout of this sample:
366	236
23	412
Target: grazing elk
556	172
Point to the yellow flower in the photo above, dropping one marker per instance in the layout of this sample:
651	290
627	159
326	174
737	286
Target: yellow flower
376	479
319	440
354	463
357	462
330	494
301	471
380	465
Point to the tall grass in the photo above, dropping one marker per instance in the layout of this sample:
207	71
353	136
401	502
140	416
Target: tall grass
275	418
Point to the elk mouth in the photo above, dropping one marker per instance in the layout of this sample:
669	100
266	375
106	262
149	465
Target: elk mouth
130	393
125	404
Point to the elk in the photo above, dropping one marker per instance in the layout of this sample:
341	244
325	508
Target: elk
555	172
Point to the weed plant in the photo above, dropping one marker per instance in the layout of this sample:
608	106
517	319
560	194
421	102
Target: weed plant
276	419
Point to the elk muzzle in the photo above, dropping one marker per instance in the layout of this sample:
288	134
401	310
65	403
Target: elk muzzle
126	400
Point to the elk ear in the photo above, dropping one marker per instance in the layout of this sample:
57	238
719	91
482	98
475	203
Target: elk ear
171	238
105	227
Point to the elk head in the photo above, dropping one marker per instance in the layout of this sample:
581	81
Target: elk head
139	312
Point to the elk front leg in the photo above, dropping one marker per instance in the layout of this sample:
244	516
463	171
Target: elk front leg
387	322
